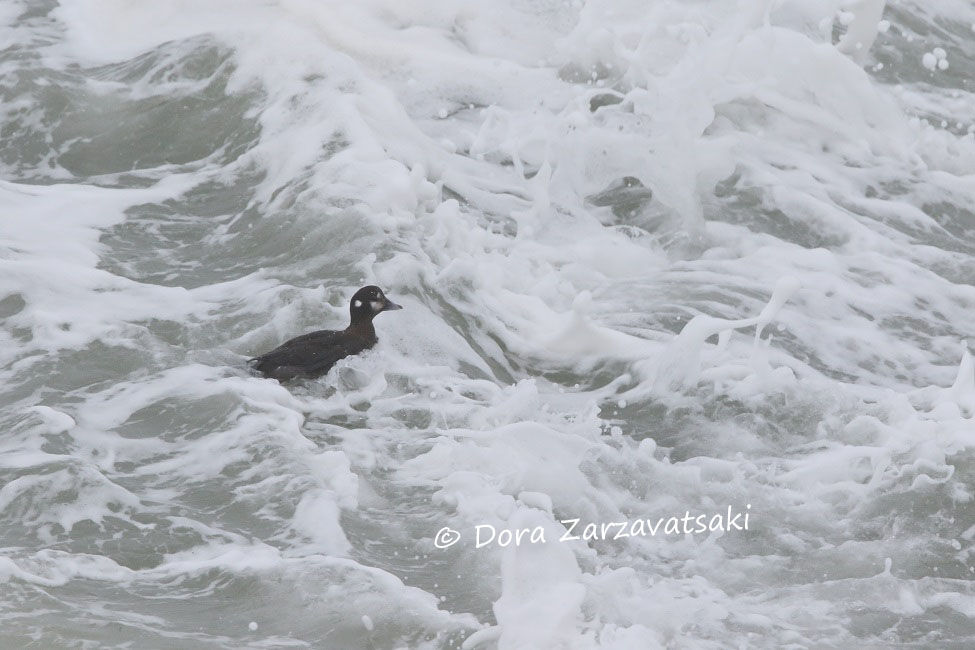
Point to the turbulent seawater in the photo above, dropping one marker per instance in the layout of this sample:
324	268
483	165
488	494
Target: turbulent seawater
655	258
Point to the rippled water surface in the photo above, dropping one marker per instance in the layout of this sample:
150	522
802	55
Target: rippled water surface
656	258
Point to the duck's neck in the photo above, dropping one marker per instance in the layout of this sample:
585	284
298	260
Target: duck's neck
362	327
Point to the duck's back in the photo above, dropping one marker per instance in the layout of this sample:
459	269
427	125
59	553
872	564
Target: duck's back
311	355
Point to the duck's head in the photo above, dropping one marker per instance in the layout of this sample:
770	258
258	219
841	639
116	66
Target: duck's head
368	302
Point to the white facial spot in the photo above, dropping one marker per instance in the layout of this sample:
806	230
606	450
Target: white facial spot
376	305
357	303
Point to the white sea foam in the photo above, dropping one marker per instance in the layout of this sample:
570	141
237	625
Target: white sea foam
654	258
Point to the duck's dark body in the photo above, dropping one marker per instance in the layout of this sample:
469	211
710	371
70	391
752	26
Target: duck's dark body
314	354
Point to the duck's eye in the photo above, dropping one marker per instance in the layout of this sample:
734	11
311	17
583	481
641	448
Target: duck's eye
357	303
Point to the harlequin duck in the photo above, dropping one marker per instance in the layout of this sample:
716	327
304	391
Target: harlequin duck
314	354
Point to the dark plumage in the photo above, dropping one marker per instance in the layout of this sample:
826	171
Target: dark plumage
314	354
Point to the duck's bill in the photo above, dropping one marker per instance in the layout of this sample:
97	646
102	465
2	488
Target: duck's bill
390	305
